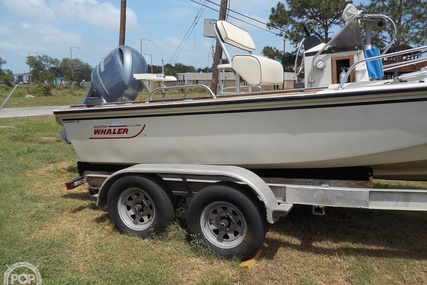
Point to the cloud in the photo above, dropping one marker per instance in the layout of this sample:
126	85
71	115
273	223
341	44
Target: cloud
102	15
35	37
197	55
30	9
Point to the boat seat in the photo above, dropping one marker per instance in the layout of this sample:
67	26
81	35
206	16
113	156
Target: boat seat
234	36
375	67
255	70
258	70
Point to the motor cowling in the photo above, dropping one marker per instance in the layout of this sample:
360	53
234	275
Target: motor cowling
112	79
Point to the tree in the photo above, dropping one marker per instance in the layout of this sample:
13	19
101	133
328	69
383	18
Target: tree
287	59
410	17
82	71
74	71
44	69
317	16
205	70
6	76
178	68
2	62
298	17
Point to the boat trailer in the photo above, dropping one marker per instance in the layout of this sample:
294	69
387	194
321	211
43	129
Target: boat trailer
229	207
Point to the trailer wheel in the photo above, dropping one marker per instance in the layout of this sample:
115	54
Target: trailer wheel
139	206
228	220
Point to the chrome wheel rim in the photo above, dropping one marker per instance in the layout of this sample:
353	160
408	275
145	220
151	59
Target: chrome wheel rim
223	225
136	209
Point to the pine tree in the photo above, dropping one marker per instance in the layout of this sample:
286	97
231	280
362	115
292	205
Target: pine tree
410	17
317	16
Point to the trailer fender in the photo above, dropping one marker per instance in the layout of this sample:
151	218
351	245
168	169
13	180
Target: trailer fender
261	189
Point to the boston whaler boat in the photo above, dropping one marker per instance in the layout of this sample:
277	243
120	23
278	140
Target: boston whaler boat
381	124
337	127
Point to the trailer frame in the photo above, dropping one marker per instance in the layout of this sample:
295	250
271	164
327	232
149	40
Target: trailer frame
272	197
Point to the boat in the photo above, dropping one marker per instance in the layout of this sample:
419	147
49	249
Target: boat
346	116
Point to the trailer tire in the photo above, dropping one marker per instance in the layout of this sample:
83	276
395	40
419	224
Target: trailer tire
139	206
228	219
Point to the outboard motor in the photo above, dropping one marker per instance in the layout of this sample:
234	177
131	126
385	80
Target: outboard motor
112	79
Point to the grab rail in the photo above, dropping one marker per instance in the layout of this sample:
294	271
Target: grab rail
355	17
396	65
403	63
149	98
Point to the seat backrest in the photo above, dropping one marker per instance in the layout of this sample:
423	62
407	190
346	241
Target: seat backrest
234	36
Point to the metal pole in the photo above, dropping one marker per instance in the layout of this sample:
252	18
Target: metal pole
141	43
122	23
151	61
218	49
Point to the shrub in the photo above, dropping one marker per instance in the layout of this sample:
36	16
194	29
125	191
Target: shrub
40	89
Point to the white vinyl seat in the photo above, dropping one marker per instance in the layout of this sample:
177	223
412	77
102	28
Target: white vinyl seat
255	70
258	70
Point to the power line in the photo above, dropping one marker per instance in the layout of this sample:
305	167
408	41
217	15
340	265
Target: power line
190	30
202	6
238	19
240	14
253	5
253	25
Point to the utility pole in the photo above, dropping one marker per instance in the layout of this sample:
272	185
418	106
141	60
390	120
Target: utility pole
218	49
122	23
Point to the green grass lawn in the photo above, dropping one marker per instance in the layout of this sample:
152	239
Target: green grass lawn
23	97
73	242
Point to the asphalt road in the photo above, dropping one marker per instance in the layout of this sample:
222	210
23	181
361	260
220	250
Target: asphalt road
28	111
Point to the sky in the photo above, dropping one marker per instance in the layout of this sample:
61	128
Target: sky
89	29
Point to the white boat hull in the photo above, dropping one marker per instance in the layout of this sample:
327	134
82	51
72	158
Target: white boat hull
384	128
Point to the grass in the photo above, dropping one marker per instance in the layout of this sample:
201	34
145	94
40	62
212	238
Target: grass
73	242
23	97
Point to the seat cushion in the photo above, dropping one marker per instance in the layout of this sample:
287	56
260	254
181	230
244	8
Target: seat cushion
258	70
